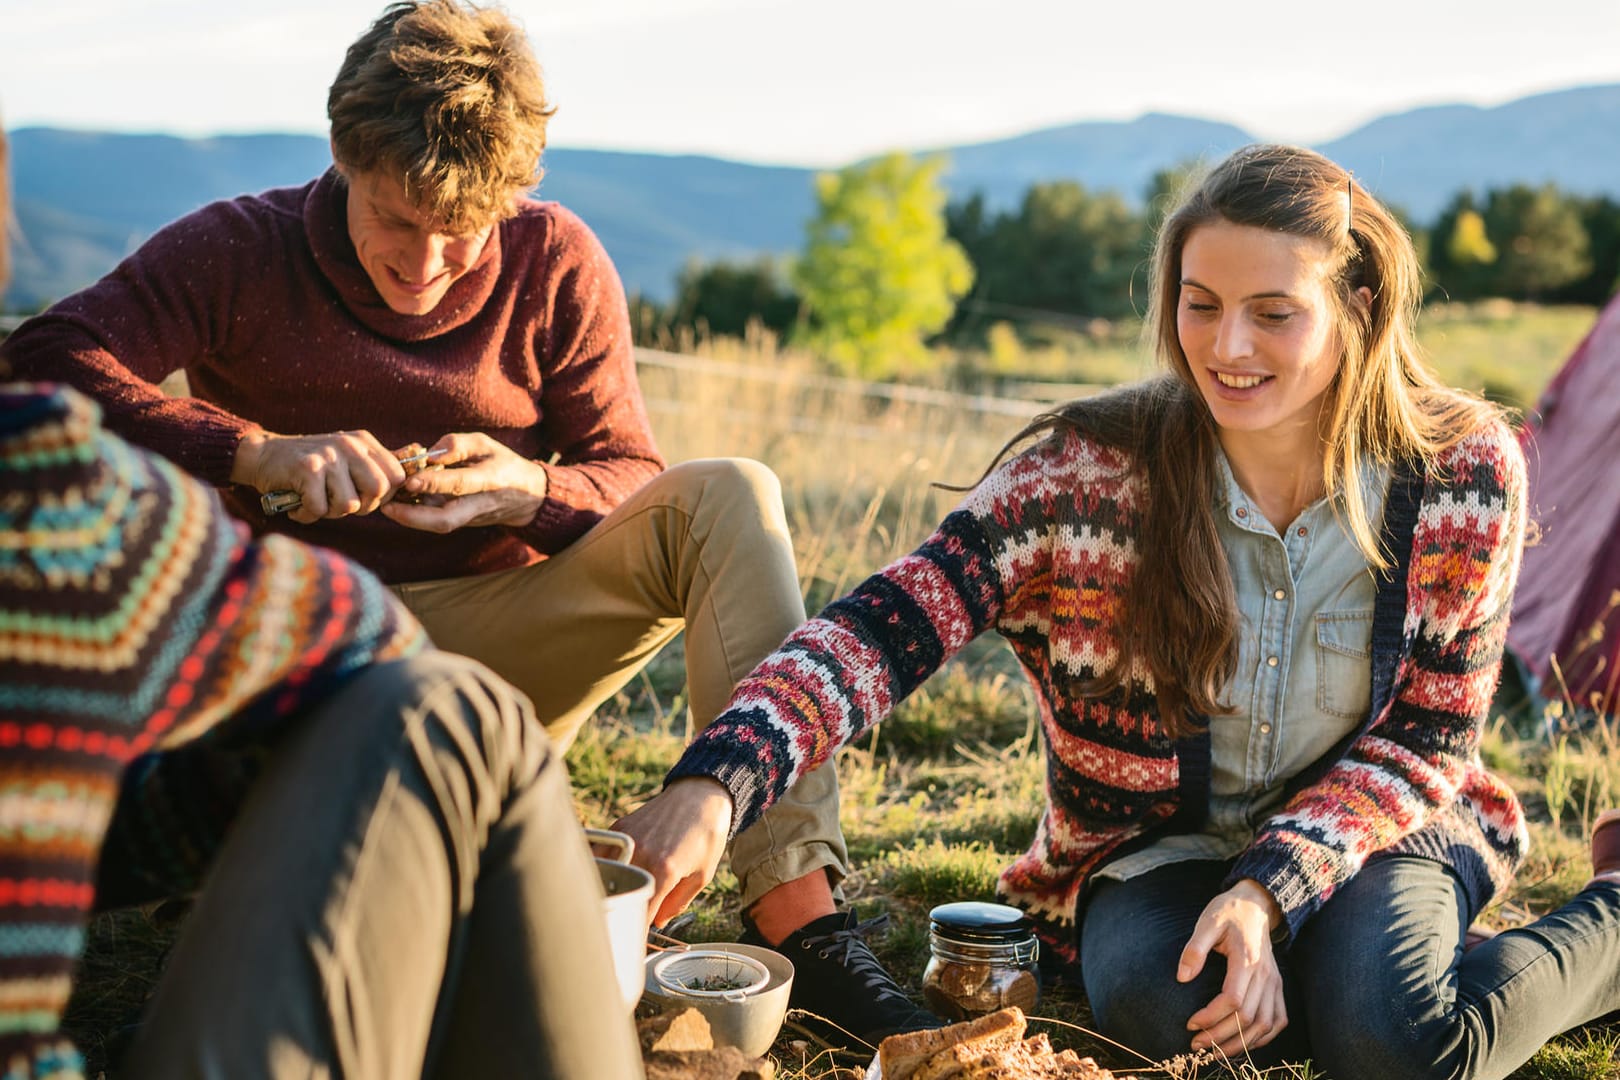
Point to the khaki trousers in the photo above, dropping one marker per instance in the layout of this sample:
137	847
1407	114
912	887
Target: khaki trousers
403	895
703	547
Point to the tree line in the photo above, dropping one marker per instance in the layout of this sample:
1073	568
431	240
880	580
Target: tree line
889	265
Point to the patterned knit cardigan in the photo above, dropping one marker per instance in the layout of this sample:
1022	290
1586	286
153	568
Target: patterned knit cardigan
1042	551
136	618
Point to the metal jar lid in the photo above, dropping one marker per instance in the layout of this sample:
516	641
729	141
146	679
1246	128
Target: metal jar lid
976	921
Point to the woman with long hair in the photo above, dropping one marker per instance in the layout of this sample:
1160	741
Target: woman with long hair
1262	601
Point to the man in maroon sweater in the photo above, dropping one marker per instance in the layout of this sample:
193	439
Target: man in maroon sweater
413	294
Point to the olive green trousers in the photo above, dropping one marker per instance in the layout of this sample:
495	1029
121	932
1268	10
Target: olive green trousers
404	894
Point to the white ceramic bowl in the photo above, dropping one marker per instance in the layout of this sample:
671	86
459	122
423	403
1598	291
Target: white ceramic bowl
750	1023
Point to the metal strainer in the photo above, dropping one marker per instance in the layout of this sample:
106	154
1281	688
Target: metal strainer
709	973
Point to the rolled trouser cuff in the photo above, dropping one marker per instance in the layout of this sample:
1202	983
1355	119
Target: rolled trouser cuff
790	865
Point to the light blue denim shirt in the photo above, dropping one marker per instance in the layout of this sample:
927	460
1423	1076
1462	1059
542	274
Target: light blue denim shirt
1304	674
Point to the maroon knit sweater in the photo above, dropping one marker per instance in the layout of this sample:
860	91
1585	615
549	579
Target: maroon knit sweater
263	304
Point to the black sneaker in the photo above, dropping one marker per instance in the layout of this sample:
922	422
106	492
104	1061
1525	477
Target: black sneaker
840	986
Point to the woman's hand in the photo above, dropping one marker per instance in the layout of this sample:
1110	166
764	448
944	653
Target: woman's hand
680	836
481	482
1249	1011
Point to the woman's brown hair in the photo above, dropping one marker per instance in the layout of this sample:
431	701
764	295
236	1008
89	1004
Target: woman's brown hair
449	98
1179	620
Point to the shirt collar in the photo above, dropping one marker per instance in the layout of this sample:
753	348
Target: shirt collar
1230	496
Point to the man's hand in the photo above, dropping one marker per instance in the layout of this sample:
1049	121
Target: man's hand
1249	1011
680	836
482	482
346	472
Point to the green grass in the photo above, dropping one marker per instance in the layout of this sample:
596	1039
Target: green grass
1506	351
934	820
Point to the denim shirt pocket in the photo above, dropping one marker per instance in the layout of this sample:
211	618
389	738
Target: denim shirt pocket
1344	663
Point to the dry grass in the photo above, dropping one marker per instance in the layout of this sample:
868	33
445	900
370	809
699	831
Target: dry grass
948	789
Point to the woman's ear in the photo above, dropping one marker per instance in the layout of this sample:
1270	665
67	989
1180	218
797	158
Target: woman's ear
1365	294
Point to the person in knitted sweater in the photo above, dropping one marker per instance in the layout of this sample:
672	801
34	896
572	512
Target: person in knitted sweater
414	295
372	824
1262	601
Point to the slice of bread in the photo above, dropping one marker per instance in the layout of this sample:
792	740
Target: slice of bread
951	1062
1007	1061
900	1056
1034	1060
961	1060
1038	1045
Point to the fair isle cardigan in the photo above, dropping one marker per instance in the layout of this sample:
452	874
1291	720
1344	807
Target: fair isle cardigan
1042	551
151	652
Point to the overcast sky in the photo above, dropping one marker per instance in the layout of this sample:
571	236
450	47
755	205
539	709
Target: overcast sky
823	82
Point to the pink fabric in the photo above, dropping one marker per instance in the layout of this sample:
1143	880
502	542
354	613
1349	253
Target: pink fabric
1569	582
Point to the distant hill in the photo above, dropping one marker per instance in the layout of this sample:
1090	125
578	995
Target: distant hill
85	199
655	213
1420	159
1105	156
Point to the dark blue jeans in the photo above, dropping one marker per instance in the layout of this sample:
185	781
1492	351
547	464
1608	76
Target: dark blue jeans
1378	985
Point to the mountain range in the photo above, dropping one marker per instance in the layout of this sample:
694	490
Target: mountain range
85	199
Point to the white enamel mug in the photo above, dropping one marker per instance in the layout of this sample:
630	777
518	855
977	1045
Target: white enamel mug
626	892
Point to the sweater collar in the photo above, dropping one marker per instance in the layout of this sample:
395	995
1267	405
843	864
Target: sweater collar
327	226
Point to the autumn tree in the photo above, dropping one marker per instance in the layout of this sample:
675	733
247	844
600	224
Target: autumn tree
1468	244
878	274
1463	256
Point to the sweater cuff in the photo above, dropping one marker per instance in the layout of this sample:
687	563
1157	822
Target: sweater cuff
209	453
1294	892
737	771
560	520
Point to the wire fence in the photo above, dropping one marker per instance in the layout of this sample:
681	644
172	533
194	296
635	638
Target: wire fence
703	406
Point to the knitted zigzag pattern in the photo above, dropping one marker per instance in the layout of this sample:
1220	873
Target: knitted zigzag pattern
135	618
1043	552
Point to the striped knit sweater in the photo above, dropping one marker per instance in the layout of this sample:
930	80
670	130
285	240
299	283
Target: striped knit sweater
1042	552
141	632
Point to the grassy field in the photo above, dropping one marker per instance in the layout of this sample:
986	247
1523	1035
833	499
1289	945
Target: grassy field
1499	348
947	791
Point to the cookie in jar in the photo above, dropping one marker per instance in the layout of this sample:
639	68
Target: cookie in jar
982	959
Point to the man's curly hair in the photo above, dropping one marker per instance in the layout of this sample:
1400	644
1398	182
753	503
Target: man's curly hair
448	97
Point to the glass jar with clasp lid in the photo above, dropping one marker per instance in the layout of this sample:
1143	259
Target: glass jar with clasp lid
982	958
